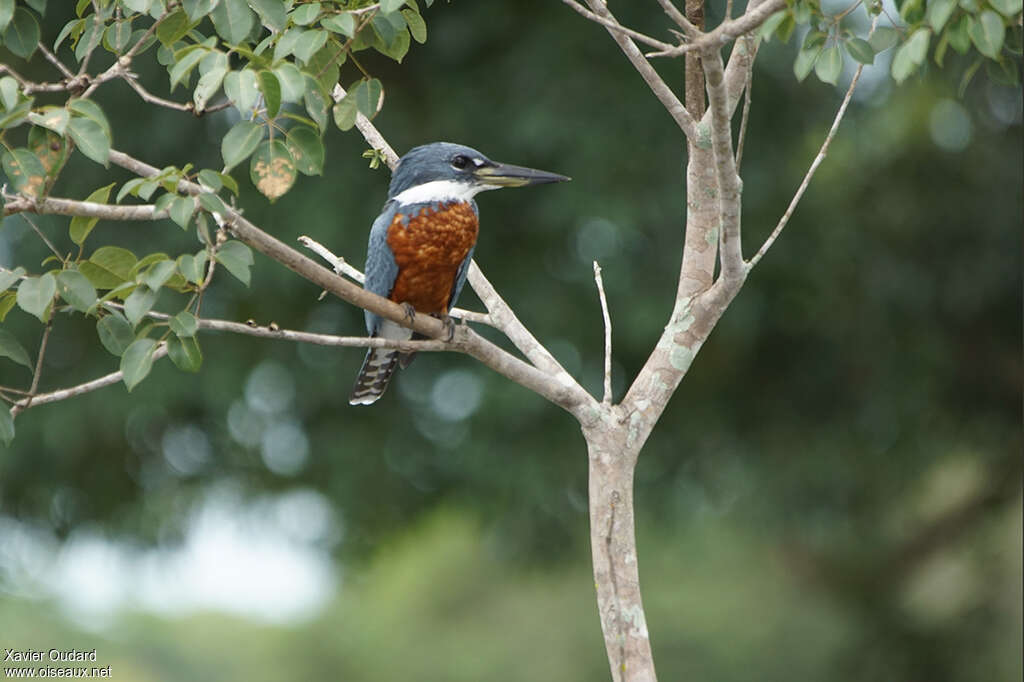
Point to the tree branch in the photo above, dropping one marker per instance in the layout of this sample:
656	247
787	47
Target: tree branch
80	389
727	30
27	401
607	400
87	209
655	82
784	220
567	395
725	166
613	25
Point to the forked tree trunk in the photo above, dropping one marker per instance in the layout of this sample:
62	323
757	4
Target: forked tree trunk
613	547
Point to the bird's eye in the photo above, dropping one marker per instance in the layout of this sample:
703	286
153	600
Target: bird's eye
460	162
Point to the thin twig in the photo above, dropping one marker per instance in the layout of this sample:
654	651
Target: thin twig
654	81
742	137
80	389
42	236
607	336
370	132
52	58
689	28
27	402
812	170
149	97
727	30
613	25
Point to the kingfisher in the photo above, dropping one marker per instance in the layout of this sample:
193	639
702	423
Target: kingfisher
422	242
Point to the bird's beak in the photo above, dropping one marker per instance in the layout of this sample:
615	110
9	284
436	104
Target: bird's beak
506	175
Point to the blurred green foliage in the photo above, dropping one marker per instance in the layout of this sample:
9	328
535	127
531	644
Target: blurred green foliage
833	494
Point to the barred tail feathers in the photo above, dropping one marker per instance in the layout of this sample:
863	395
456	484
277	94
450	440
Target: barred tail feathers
379	365
374	376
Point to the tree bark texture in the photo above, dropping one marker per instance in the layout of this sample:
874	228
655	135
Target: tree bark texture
612	461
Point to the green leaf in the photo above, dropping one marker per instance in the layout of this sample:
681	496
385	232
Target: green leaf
829	65
185	353
316	103
272	169
36	293
173	28
89	38
90	139
305	14
237	258
10	348
92	111
987	33
368	95
938	13
197	9
158	274
9	277
271	12
387	6
10	92
38	5
399	47
181	211
109	267
76	289
293	83
805	62
910	55
184	324
271	89
117	36
1008	8
768	28
22	33
82	226
6	425
54	118
325	65
24	171
345	112
242	89
139	302
287	42
50	148
417	27
860	50
240	142
186	61
312	42
959	40
7	301
883	38
6	13
209	83
115	333
233	20
137	361
307	150
212	203
229	183
210	179
193	268
344	24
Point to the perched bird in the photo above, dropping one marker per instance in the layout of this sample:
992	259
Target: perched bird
422	242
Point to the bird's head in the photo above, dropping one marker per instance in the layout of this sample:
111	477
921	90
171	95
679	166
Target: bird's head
444	171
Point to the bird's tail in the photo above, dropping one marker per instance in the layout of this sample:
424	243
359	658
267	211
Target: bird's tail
374	376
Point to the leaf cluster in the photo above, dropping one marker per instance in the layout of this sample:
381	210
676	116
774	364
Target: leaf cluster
988	31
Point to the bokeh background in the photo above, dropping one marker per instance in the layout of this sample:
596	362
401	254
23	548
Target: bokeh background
833	494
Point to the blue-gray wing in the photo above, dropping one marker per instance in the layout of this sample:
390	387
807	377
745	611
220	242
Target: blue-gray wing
463	271
381	268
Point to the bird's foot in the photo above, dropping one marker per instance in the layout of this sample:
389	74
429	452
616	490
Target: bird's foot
449	326
410	312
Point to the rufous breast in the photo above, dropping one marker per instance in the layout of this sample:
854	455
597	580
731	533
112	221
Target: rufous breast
429	247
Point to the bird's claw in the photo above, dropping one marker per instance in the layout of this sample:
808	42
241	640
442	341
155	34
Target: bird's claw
410	312
449	327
